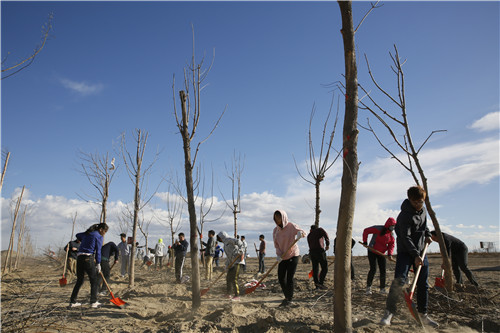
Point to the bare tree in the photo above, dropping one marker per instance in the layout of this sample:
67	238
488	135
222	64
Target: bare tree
190	100
20	237
234	174
4	169
24	63
99	171
342	306
8	257
138	175
319	165
410	162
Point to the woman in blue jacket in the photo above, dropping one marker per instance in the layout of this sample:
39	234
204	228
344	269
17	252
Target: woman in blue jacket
89	261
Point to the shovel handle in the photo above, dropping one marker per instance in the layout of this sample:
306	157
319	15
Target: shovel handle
376	251
251	289
417	273
204	291
106	283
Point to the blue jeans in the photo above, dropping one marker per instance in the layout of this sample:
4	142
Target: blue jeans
403	263
261	262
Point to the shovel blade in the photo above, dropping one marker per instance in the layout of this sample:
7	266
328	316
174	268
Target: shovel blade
63	282
118	302
311	274
412	307
439	282
250	290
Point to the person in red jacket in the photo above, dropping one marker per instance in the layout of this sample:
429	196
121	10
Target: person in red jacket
382	241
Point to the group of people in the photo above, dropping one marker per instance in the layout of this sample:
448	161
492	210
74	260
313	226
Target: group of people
412	235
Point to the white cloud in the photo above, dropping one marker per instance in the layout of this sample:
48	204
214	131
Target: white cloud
489	122
82	88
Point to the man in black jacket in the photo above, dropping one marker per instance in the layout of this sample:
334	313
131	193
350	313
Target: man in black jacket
459	256
107	252
319	243
412	235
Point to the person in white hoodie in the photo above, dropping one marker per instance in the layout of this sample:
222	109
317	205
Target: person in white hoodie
284	234
159	253
234	252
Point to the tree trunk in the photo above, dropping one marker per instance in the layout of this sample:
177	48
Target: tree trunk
235	214
195	282
8	257
20	237
317	210
342	279
136	210
4	169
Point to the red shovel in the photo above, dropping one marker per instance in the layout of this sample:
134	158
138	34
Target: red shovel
115	300
439	283
252	289
409	296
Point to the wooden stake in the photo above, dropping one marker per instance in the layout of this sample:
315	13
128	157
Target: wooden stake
8	258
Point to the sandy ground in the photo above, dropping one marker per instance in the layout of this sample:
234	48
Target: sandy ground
33	301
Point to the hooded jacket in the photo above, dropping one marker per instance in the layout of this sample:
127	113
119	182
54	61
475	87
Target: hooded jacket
378	241
285	236
233	248
160	248
411	229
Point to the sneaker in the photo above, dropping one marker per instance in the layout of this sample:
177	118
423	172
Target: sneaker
321	287
383	291
102	293
236	298
386	320
227	296
74	305
368	290
428	321
96	305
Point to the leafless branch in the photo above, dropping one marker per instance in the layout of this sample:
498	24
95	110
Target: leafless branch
373	6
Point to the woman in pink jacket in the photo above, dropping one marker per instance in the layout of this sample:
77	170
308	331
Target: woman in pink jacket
284	235
382	241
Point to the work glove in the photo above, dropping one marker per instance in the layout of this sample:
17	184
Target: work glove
98	267
299	234
278	259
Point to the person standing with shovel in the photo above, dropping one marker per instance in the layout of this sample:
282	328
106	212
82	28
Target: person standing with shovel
89	261
382	241
412	236
284	236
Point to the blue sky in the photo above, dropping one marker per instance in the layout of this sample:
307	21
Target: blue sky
108	68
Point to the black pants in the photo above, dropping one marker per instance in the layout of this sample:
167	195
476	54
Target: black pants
106	271
318	258
85	264
286	272
375	259
459	260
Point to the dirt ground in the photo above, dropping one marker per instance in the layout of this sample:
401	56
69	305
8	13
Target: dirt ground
33	301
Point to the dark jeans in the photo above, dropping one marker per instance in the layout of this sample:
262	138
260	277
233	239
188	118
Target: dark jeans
106	271
179	264
261	262
459	260
318	258
232	280
403	263
286	272
85	264
375	259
